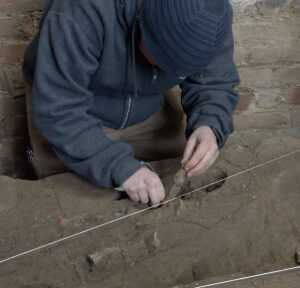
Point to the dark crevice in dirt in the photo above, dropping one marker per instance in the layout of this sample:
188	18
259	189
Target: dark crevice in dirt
231	215
218	185
193	223
20	170
194	273
73	263
58	202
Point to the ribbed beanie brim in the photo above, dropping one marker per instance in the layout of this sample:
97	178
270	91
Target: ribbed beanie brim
183	36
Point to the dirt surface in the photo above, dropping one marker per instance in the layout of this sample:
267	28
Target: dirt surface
245	225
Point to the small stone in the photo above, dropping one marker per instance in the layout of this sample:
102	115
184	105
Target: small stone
100	259
156	242
153	242
63	222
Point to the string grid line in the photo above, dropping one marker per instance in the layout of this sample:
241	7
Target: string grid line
250	277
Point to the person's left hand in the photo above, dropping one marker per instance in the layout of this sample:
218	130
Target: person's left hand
201	151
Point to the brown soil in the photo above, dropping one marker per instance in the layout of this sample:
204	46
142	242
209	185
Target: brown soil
245	225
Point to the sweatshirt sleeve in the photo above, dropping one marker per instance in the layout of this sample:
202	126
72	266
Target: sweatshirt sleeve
61	100
208	97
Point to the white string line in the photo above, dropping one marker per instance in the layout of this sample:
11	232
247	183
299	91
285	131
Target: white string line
140	211
249	277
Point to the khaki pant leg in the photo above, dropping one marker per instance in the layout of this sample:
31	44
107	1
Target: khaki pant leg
159	137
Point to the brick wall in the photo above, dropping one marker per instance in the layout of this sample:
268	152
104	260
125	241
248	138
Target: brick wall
267	35
267	53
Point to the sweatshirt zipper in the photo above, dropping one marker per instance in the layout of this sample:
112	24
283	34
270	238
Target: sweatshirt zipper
127	113
154	79
155	74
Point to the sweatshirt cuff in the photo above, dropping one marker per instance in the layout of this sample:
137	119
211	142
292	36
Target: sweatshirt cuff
125	170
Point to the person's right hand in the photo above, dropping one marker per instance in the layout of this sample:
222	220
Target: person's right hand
145	186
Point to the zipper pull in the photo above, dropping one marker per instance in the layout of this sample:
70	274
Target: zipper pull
155	74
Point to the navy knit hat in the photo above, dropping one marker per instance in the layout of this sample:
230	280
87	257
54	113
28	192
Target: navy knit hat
183	36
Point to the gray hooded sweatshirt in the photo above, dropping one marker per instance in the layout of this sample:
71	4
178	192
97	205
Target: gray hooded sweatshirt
86	71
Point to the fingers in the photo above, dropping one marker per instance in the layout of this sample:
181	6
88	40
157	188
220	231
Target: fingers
209	158
197	156
145	186
201	151
133	196
143	195
190	147
140	195
156	193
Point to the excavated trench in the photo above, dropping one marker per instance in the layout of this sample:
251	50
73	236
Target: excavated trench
244	225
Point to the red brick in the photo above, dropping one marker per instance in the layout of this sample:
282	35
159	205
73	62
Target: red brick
21	28
10	107
256	77
12	53
286	74
243	7
295	118
293	97
12	147
291	53
272	6
295	6
246	97
14	73
36	16
15	126
20	6
240	54
263	30
261	120
266	54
